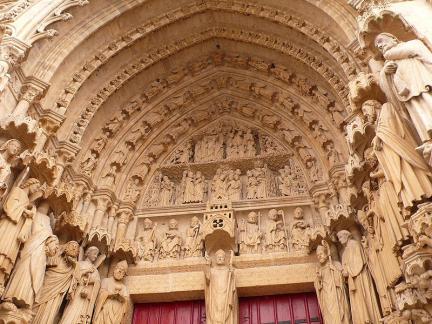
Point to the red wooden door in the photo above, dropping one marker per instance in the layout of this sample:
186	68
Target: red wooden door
186	312
280	309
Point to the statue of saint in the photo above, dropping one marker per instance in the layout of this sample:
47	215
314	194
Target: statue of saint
111	304
250	234
194	243
330	287
171	243
300	232
166	191
407	79
61	271
403	166
220	292
147	241
15	223
364	304
276	238
28	274
234	186
189	188
8	153
81	302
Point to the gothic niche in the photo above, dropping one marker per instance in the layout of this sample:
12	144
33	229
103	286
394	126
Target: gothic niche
226	162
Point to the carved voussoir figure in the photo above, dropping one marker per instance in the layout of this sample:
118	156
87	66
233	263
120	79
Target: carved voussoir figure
15	224
220	292
330	287
111	304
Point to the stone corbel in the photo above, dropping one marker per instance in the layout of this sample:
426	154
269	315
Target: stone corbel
420	222
49	123
417	260
408	296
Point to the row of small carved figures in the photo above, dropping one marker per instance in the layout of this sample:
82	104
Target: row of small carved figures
250	238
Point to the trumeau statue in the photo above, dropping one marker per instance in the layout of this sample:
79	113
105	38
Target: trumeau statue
82	300
330	287
402	164
15	223
194	243
147	241
8	153
111	304
171	243
250	235
28	275
220	292
300	232
364	304
407	78
276	236
61	271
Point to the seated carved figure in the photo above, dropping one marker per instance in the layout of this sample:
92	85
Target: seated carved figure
170	246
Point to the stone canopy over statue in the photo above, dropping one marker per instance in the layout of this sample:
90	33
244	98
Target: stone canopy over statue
220	292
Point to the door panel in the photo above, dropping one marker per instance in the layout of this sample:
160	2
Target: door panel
279	309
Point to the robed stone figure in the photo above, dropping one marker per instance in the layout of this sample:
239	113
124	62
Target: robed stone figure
403	166
111	305
28	275
330	287
220	292
15	224
61	271
364	303
407	79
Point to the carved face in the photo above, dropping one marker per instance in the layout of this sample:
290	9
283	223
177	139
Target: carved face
194	221
298	213
148	224
172	224
34	188
119	273
384	42
343	237
14	148
322	254
92	254
220	258
252	218
72	249
272	214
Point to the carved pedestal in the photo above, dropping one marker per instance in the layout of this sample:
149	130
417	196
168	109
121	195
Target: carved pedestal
219	227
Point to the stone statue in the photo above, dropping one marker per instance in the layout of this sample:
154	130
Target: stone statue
171	243
249	144
407	79
28	275
330	287
300	232
89	164
401	163
276	238
220	292
8	153
364	304
219	185
61	271
189	188
285	181
15	223
81	302
252	185
166	191
194	243
250	235
147	241
111	304
199	187
234	186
